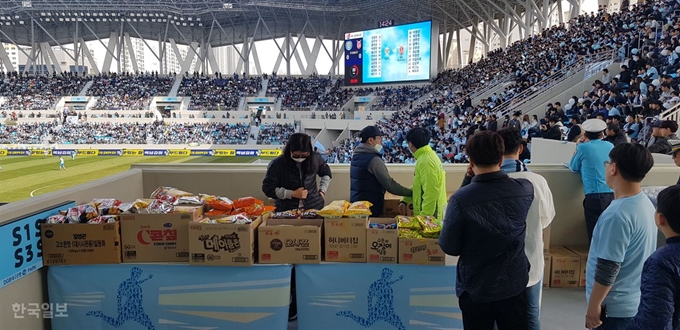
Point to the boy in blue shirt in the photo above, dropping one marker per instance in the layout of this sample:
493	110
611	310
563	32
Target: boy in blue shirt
661	272
624	237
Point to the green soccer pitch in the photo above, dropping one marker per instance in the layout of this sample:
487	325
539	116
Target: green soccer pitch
22	176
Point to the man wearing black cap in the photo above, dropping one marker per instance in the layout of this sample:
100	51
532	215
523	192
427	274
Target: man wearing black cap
661	131
369	177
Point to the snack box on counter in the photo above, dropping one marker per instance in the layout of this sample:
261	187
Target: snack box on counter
157	237
345	239
80	243
382	241
289	241
421	251
223	244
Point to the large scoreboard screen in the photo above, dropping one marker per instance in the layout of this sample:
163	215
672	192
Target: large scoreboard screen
392	54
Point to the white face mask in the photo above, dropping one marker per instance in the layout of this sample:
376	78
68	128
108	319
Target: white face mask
378	147
299	160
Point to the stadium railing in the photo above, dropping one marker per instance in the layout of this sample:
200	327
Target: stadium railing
671	114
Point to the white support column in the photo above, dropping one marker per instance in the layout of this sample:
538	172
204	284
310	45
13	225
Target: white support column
90	59
337	56
277	64
113	43
211	59
296	54
44	51
288	56
131	52
459	49
256	59
449	41
311	57
246	54
239	64
4	59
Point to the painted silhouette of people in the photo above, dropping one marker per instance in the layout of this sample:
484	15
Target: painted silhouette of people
129	303
380	303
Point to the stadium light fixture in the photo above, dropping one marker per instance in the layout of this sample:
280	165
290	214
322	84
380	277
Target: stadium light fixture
61	19
153	20
184	24
42	14
21	22
98	19
16	17
191	24
165	20
49	14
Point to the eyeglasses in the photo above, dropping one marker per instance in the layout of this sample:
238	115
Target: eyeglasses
608	163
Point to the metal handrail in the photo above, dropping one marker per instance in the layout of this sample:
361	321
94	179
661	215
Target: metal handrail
544	85
671	114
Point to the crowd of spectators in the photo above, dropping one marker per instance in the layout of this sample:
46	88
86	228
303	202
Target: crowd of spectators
218	93
22	91
398	97
336	97
299	92
127	91
123	133
275	134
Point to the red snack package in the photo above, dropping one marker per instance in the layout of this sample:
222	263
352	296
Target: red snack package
222	203
247	201
217	213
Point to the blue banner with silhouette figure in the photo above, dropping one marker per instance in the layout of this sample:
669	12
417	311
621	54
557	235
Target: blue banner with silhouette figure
377	297
145	296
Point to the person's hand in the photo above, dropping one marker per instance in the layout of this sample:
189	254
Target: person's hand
543	127
323	194
582	139
402	208
469	171
593	317
299	193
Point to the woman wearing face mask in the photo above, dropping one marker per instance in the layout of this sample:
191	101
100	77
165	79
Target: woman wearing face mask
291	177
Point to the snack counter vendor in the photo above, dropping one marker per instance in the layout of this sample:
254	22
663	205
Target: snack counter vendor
291	177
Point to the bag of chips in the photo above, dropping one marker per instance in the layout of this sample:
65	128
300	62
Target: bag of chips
431	226
185	209
188	200
220	203
247	201
361	208
335	209
56	219
103	219
408	233
408	223
239	219
81	213
160	206
168	191
254	210
217	213
107	206
292	214
310	214
382	225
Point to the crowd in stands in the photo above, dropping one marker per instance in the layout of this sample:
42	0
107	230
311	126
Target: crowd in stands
123	133
299	92
400	96
276	134
336	97
22	91
127	91
217	93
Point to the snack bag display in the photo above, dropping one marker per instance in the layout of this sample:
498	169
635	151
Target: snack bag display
246	202
220	203
409	233
188	200
184	209
168	191
81	213
382	225
408	223
216	213
335	209
138	206
310	214
103	219
159	206
240	219
107	206
56	219
361	208
431	226
292	214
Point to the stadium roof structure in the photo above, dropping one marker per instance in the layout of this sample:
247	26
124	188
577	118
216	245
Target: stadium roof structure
232	21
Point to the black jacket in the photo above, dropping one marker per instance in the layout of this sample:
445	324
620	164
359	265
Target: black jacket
485	224
660	146
280	174
553	133
618	138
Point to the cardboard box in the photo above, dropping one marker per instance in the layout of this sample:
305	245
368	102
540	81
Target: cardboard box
546	240
345	239
421	251
80	244
223	244
284	241
382	244
566	268
582	251
391	207
547	261
156	237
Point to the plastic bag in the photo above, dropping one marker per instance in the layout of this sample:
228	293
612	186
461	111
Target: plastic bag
217	213
408	233
382	225
431	226
103	219
56	219
335	209
361	208
82	213
188	200
292	214
240	219
168	191
408	223
220	203
247	201
159	206
310	214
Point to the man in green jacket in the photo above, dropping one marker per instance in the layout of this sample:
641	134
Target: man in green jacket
429	181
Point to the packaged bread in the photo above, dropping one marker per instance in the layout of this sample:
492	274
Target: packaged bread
361	208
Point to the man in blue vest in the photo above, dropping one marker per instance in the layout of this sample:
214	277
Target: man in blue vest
369	177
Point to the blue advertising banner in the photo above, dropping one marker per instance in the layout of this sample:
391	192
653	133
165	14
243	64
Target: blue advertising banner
202	152
170	99
155	152
247	153
21	245
18	152
377	296
110	152
61	152
144	296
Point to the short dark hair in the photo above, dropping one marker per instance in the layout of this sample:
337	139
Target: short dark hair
554	119
633	161
592	135
485	148
512	140
418	136
614	127
668	204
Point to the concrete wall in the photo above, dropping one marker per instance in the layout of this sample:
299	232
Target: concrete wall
32	288
558	152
